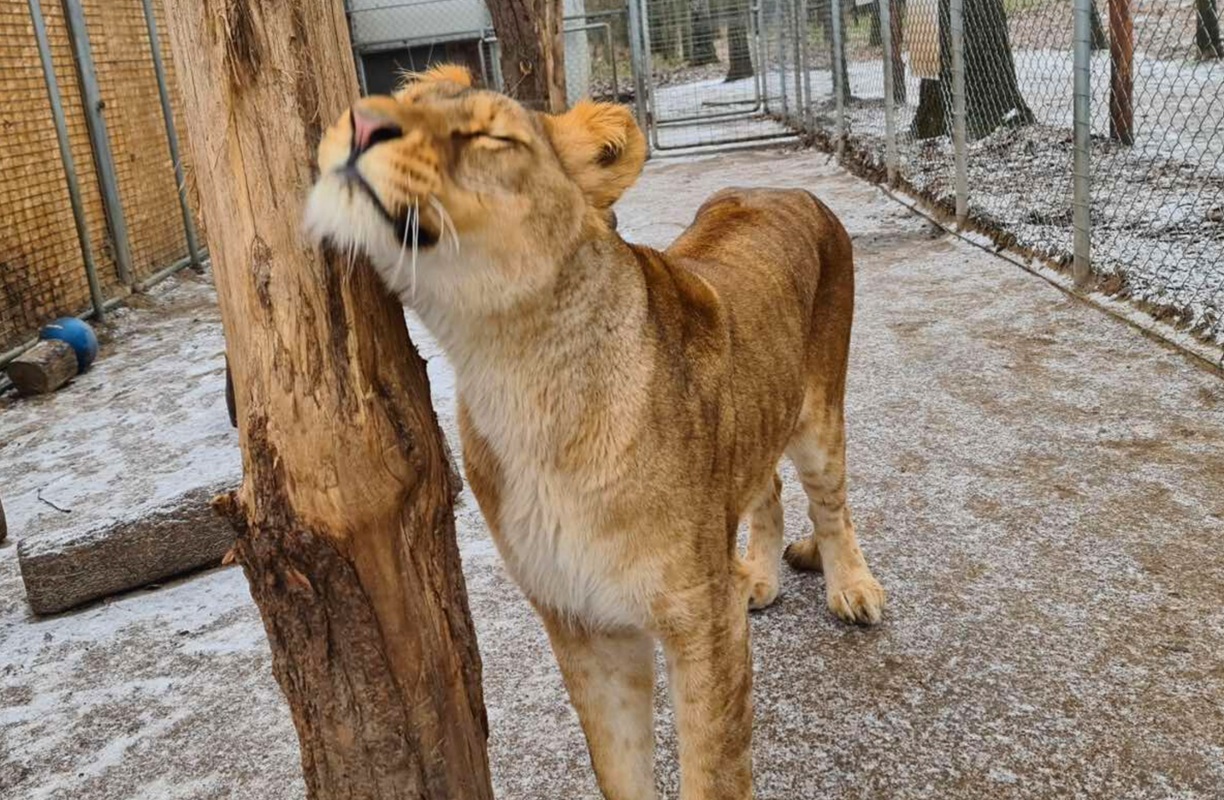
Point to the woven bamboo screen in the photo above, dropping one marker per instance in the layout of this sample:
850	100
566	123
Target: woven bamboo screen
147	188
42	272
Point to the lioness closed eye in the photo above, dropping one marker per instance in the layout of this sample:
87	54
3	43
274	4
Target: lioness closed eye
621	409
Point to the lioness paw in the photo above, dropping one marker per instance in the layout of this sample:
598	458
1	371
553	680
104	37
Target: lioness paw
760	582
803	555
859	601
762	593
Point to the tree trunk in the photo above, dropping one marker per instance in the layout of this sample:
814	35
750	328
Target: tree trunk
663	19
1121	72
344	516
896	20
826	21
842	57
739	54
992	94
875	38
531	38
703	33
1099	40
1207	30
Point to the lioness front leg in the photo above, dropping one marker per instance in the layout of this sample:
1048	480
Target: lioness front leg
709	664
610	680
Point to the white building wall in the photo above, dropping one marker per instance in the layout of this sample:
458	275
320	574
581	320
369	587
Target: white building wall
386	23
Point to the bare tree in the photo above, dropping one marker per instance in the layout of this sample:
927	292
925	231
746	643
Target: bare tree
531	37
837	49
1099	40
992	94
739	52
702	35
1207	30
896	18
344	516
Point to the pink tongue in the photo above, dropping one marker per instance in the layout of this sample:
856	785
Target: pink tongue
364	128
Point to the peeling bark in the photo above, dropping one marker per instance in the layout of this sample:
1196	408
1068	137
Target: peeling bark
344	517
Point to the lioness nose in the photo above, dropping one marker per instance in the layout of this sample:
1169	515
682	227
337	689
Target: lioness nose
369	129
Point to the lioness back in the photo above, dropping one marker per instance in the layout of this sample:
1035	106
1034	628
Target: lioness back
781	265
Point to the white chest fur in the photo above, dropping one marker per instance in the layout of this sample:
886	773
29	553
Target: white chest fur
553	391
555	534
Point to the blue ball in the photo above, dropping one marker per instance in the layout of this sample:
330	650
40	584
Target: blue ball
78	335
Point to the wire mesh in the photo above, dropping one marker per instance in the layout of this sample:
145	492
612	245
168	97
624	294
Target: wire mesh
148	190
1156	75
1018	92
713	73
42	272
862	53
1158	202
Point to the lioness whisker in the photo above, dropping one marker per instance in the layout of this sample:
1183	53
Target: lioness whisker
416	230
445	221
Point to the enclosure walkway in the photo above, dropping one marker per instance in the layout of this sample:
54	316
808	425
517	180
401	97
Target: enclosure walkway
1039	487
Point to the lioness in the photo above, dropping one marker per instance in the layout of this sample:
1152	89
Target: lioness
621	409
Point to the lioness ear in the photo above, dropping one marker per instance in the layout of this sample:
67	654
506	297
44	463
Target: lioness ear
601	147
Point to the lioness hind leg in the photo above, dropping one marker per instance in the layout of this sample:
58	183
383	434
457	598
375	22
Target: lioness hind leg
818	451
610	680
765	532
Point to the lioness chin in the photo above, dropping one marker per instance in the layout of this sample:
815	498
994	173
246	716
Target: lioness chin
621	409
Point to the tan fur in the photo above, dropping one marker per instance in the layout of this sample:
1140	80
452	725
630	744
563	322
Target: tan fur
621	409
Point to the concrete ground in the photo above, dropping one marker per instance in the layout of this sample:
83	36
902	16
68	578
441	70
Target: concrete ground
1039	487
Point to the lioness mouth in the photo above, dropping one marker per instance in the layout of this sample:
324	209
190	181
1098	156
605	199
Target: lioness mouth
407	224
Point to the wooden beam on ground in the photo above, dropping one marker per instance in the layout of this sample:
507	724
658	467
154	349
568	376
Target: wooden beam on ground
65	569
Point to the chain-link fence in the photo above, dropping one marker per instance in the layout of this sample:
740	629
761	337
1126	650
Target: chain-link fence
1088	135
93	197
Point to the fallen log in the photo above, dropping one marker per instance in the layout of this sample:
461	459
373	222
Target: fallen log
43	368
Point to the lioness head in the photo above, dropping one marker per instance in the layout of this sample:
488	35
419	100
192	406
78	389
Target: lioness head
445	186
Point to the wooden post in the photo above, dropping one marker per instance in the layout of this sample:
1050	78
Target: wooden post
344	517
1121	74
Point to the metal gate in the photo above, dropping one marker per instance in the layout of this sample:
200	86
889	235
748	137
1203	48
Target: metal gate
703	70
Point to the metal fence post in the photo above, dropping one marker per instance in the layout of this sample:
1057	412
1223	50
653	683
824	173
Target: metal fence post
890	100
104	160
762	33
65	149
957	9
159	68
805	64
1081	203
640	69
839	91
780	14
800	108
